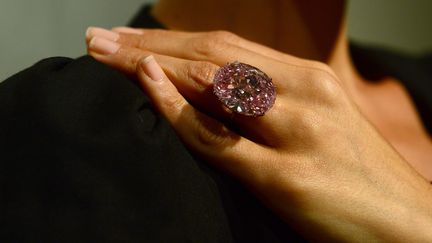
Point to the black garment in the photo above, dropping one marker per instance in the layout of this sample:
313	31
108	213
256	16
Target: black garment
83	158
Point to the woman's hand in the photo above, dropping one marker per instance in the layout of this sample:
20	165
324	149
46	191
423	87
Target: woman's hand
313	158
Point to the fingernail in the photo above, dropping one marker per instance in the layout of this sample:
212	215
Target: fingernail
127	30
103	33
152	69
103	46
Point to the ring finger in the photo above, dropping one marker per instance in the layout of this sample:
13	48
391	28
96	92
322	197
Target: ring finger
193	79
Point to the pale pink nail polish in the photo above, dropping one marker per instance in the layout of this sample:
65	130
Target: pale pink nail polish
152	69
103	46
103	33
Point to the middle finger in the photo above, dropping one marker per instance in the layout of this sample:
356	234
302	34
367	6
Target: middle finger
193	79
218	47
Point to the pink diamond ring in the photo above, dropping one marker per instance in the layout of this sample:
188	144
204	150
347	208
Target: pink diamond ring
244	89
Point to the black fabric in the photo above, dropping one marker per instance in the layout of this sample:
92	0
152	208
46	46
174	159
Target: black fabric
83	158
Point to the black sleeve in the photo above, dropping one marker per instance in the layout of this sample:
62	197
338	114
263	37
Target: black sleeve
83	158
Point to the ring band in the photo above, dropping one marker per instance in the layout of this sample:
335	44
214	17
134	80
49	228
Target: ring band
244	89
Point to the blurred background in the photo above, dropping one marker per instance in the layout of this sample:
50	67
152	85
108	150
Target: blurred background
32	30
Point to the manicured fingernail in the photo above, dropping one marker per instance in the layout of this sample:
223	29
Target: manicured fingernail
152	69
103	46
103	33
127	30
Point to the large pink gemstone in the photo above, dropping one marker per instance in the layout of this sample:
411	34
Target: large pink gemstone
244	89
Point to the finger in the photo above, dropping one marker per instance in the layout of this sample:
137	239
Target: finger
206	136
133	37
194	81
214	47
222	47
192	78
217	47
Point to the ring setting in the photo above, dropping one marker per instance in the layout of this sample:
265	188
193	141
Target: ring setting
244	89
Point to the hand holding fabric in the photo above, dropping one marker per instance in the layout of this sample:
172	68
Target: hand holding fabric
313	151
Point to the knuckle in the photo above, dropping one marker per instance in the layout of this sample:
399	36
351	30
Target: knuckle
211	134
307	125
326	86
210	44
173	104
154	33
224	36
142	42
201	72
145	40
331	90
129	58
202	47
320	66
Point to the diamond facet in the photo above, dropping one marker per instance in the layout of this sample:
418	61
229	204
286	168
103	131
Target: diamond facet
244	89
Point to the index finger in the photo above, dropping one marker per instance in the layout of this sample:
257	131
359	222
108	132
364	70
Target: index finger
221	47
131	36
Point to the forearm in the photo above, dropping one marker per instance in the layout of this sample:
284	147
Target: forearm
385	223
402	213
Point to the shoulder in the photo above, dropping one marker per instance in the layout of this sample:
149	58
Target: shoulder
71	93
66	71
414	73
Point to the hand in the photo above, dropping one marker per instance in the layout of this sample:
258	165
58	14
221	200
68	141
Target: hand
313	158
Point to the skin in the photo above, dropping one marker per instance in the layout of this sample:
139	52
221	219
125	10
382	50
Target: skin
299	28
317	150
314	30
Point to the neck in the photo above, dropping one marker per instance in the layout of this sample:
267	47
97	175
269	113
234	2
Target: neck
340	61
307	29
